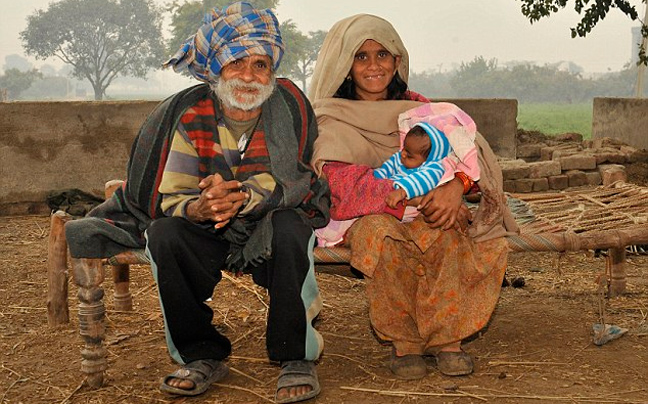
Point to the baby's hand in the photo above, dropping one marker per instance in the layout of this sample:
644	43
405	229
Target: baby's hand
394	197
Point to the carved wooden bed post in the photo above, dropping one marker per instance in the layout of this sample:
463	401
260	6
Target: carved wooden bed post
616	261
89	275
57	273
120	272
123	298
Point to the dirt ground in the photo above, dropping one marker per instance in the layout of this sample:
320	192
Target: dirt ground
537	348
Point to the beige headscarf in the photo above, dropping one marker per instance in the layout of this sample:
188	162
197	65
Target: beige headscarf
340	46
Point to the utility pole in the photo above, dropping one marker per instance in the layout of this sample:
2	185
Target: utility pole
641	70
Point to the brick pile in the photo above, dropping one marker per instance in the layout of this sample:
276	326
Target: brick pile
546	163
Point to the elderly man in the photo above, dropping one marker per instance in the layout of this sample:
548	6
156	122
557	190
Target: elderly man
219	178
238	193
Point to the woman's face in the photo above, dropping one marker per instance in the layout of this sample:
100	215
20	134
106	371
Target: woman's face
372	70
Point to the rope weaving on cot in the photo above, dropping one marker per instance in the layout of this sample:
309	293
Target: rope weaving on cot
602	217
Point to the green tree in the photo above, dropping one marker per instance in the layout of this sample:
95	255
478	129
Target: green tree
100	39
14	61
48	88
303	50
475	79
433	85
16	81
591	13
525	82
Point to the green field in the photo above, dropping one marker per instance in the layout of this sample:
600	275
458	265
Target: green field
552	119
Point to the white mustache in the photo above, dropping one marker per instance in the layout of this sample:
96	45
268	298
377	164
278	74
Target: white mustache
224	90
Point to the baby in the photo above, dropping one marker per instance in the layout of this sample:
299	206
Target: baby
417	168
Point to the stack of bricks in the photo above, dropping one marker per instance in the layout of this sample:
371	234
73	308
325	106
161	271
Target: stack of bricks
567	161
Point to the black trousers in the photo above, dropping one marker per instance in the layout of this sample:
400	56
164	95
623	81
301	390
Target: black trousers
187	262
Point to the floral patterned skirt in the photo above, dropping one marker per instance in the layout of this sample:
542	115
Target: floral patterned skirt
426	287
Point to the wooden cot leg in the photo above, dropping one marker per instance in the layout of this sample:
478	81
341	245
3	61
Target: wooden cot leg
123	297
617	257
89	275
57	272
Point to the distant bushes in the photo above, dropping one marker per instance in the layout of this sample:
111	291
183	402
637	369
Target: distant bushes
528	83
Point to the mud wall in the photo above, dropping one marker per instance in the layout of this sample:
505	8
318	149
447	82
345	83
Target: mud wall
46	146
625	119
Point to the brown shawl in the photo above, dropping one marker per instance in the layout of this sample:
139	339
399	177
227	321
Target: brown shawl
340	46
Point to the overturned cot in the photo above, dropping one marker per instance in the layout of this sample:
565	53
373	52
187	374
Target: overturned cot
611	217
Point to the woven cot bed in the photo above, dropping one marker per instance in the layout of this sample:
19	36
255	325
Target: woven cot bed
612	217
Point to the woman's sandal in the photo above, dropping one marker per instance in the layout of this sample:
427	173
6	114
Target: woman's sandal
295	374
408	367
202	373
454	363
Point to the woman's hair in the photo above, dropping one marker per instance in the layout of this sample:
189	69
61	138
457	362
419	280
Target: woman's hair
395	90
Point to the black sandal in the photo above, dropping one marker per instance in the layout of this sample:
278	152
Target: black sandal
295	374
202	373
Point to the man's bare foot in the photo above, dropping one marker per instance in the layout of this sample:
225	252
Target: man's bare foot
290	392
297	382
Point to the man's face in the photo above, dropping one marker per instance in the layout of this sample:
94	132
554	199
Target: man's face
246	83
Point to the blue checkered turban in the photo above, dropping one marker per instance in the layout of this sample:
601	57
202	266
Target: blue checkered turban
232	33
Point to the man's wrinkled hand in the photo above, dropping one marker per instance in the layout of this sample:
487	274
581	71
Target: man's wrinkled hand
219	201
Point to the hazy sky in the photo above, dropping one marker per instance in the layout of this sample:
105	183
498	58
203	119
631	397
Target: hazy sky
437	33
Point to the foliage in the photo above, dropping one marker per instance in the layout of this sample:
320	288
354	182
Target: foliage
301	52
554	119
534	10
14	61
100	39
530	83
16	81
618	84
476	79
433	85
48	88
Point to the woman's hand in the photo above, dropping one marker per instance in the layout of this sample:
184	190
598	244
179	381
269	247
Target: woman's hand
219	201
464	219
442	205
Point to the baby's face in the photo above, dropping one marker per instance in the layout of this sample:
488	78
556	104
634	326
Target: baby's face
411	155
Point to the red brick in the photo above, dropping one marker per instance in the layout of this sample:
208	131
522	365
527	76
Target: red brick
606	142
514	169
531	150
577	178
580	161
524	186
546	153
540	169
540	184
509	186
558	182
611	173
609	155
593	178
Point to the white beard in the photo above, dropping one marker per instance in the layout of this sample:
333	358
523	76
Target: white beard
225	91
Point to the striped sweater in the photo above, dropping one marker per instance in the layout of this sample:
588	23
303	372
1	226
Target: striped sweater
202	145
420	180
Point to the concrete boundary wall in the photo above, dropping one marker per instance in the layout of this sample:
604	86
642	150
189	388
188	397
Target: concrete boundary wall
625	119
46	146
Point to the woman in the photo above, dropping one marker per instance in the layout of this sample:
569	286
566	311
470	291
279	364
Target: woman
435	280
